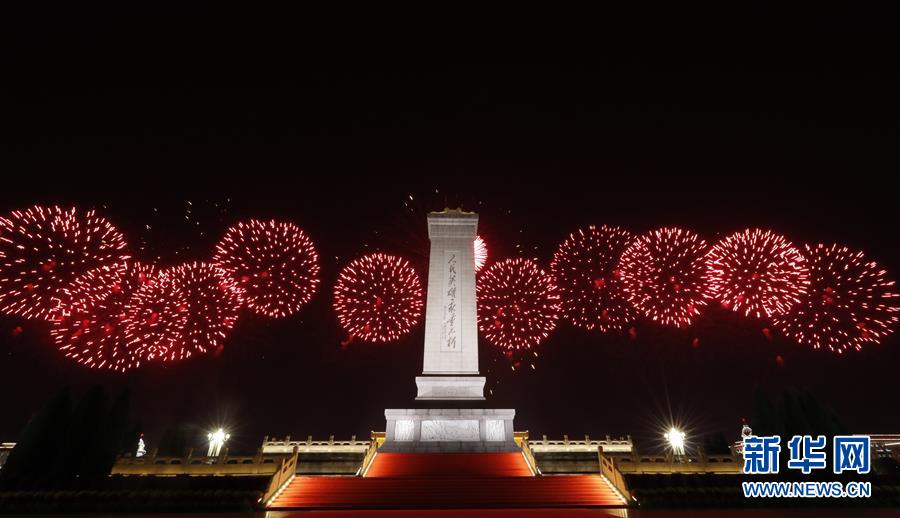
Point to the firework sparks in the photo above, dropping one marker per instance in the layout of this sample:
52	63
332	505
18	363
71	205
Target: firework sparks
757	272
91	326
585	268
274	262
851	302
518	304
481	253
44	249
378	298
664	275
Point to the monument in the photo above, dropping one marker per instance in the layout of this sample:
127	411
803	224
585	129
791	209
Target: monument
450	375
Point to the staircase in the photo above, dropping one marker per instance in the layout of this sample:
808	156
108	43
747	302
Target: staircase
449	480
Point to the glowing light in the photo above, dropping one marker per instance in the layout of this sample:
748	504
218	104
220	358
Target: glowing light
44	249
676	439
850	302
378	298
481	253
664	275
585	269
141	448
91	326
518	304
216	442
274	262
757	272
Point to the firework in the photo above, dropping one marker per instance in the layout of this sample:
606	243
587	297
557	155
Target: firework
378	298
757	272
664	275
44	249
213	302
275	263
91	326
481	253
189	310
585	268
155	318
850	302
518	304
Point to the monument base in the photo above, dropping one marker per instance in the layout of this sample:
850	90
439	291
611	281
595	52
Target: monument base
425	430
453	388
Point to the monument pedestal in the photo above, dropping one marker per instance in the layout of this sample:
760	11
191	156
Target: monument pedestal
447	430
451	388
450	355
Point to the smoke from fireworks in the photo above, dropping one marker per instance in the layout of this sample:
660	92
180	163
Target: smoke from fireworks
275	263
43	249
481	253
850	302
664	275
585	269
757	272
518	304
378	298
92	323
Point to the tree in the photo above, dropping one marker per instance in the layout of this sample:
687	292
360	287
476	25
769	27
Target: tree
31	463
763	421
83	439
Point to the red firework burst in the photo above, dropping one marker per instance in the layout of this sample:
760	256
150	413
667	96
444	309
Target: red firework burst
44	249
190	310
585	268
378	298
518	304
757	272
274	262
481	253
155	318
91	327
664	275
213	302
851	302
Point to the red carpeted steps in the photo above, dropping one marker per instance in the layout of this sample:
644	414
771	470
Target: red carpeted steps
449	465
456	480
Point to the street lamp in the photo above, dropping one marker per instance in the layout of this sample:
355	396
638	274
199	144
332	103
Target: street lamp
216	441
675	438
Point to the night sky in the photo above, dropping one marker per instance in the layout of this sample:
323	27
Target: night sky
188	122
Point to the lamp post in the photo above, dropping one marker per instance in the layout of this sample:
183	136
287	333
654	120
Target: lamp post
216	441
675	438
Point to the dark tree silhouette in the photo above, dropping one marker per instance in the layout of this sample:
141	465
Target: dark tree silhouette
31	463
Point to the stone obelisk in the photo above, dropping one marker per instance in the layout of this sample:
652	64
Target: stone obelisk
450	375
450	369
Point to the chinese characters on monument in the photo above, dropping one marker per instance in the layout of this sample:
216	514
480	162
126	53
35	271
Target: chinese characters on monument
451	327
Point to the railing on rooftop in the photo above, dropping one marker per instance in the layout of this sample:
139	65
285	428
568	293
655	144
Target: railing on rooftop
286	445
609	445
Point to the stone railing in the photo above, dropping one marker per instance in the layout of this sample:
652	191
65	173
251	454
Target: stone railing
189	464
613	476
370	456
609	445
286	445
286	472
529	458
668	464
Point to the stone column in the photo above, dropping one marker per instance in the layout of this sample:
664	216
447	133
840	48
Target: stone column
450	366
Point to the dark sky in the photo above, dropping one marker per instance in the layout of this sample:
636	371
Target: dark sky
541	122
